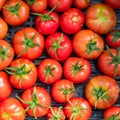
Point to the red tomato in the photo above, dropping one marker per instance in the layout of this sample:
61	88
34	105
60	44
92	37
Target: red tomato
49	71
58	46
62	91
82	4
6	54
71	21
15	12
113	38
109	62
61	5
3	28
2	2
79	109
88	44
27	41
5	86
23	73
115	4
112	113
100	18
56	113
77	69
37	101
11	109
102	91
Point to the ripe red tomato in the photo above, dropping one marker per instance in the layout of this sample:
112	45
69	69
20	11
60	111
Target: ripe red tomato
11	109
113	38
6	54
79	109
77	69
112	113
61	5
27	41
115	4
5	86
62	91
72	20
82	4
3	28
58	46
40	101
15	12
49	71
23	73
2	2
102	91
88	44
100	18
109	62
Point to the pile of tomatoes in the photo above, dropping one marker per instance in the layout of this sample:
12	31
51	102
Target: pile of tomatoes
51	48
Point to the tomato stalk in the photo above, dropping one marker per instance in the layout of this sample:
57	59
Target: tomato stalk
114	117
116	35
31	2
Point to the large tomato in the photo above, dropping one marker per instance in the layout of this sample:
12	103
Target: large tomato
26	41
88	44
23	73
2	2
100	18
71	21
15	12
77	69
6	54
5	86
102	91
58	46
78	109
11	109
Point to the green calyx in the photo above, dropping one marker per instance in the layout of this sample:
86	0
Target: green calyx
114	117
116	36
30	2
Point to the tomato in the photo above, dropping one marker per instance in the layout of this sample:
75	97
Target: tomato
3	28
62	91
77	69
2	2
23	73
79	109
36	100
56	113
109	62
6	54
5	86
11	109
98	91
58	46
88	44
112	113
72	20
27	41
82	4
113	38
61	5
49	71
114	4
15	12
47	22
100	18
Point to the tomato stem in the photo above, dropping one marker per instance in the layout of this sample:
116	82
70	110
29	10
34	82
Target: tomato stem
116	35
30	2
114	117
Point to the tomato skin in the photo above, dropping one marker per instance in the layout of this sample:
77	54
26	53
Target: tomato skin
106	83
5	86
80	103
16	20
83	67
49	71
100	18
63	50
20	46
11	109
84	38
72	20
9	54
2	2
62	5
